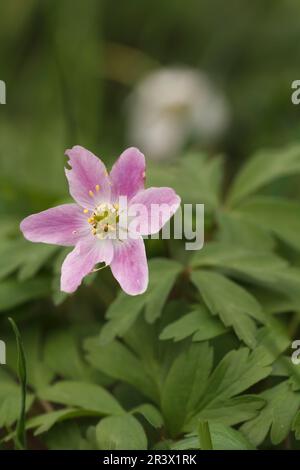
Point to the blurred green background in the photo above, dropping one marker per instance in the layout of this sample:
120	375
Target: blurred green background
70	66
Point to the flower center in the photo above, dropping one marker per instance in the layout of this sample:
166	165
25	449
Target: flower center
104	220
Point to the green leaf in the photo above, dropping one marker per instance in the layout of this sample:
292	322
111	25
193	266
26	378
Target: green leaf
163	273
46	421
184	385
283	367
12	255
226	438
288	282
205	436
28	258
234	305
150	413
277	302
277	415
10	400
117	361
243	233
241	262
231	411
282	294
272	271
280	216
67	435
199	323
121	314
87	396
142	340
20	440
36	256
223	438
124	311
195	178
262	169
38	374
62	355
14	293
120	433
237	372
274	339
296	425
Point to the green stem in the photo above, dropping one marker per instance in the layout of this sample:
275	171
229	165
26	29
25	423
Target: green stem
20	439
205	436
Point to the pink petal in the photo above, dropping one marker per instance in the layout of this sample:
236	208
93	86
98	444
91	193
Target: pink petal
82	260
128	173
129	266
61	225
158	205
88	178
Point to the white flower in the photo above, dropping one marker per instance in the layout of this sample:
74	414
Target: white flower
171	106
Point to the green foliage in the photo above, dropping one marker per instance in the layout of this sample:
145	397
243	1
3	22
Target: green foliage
10	396
286	223
14	293
222	438
190	183
187	375
120	433
263	168
124	310
199	323
205	436
117	361
87	396
278	415
235	306
20	439
201	360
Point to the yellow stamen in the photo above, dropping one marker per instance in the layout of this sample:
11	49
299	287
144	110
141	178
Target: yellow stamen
91	193
97	187
85	211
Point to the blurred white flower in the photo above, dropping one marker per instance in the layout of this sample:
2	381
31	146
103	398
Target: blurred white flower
172	105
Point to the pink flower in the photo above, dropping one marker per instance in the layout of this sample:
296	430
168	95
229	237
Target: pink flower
91	224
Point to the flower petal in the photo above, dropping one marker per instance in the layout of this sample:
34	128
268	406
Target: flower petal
158	205
88	178
128	173
61	225
129	266
82	260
